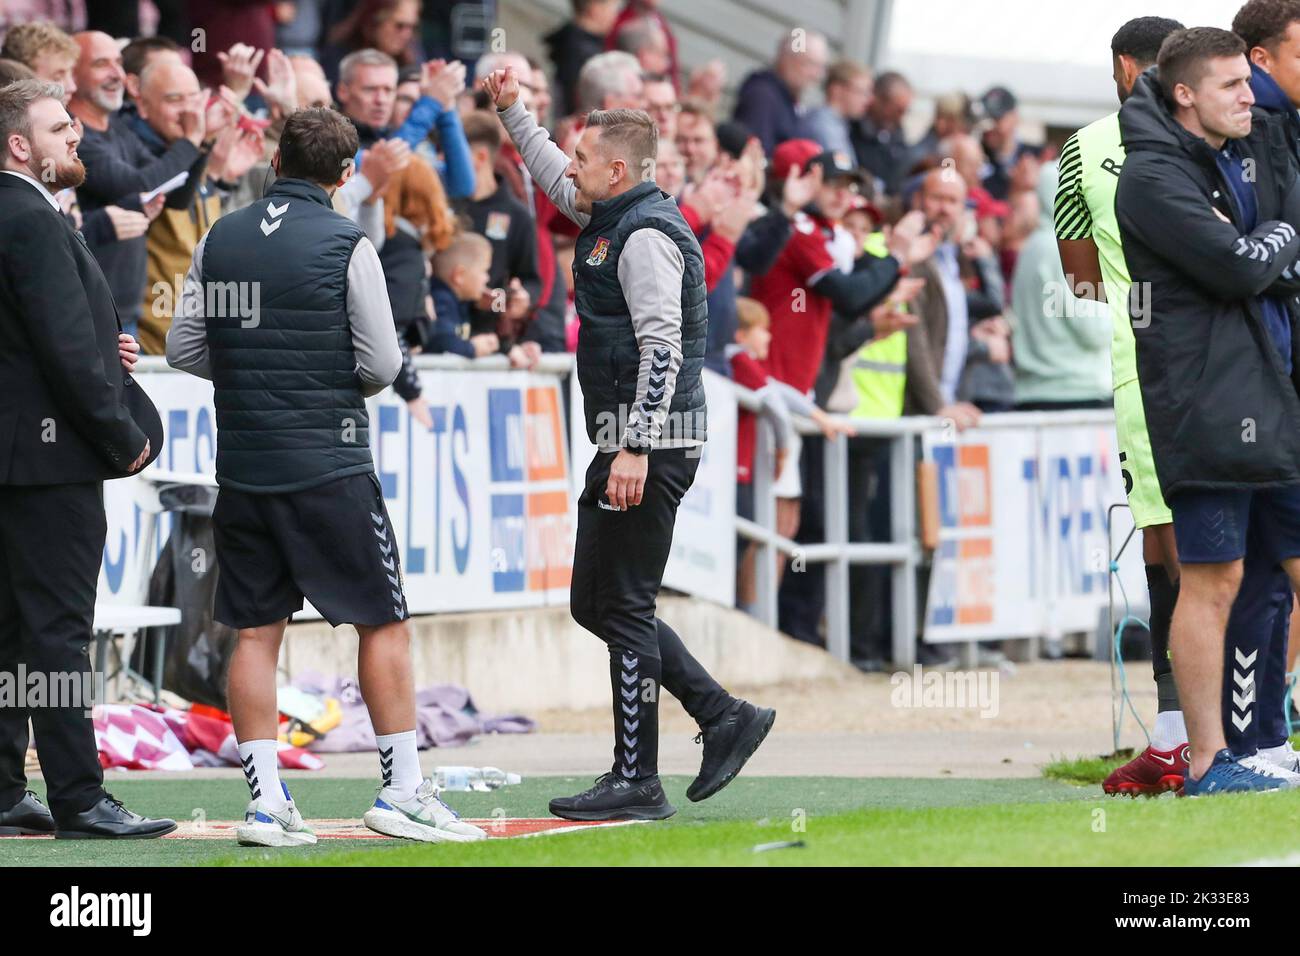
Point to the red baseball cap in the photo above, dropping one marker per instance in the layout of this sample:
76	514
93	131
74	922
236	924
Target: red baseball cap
792	153
870	208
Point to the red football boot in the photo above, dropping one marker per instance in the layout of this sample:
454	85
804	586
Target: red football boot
1149	773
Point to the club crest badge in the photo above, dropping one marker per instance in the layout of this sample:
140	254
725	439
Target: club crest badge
498	225
598	251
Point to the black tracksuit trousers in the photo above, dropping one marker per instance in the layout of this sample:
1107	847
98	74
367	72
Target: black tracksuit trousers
618	566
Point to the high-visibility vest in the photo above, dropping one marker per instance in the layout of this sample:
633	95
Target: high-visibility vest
879	368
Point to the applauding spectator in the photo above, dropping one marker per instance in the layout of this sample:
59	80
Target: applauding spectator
121	169
224	24
172	110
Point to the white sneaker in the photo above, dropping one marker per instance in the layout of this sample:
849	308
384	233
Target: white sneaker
1288	759
1261	764
423	817
265	827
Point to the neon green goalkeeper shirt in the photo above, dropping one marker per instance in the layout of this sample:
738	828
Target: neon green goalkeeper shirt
1085	209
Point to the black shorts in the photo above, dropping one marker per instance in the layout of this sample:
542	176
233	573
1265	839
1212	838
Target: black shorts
332	544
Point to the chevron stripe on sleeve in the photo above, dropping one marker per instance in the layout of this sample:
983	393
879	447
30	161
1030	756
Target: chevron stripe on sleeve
1073	220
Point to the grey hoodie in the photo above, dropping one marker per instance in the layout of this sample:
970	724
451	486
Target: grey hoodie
1061	343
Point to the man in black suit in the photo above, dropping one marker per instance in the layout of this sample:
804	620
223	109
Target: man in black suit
65	426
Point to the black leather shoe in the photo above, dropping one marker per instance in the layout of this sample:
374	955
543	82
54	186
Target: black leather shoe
614	797
27	817
728	743
109	820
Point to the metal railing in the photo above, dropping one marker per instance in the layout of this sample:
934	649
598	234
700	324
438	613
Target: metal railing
902	553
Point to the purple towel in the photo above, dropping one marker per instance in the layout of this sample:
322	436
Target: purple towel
445	716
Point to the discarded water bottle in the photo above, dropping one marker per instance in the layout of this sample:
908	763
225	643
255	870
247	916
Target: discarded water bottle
481	779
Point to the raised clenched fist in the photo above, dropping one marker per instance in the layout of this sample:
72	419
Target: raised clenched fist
503	87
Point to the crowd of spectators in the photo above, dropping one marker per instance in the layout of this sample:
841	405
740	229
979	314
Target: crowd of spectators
850	270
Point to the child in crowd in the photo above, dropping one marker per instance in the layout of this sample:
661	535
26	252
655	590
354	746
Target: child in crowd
460	277
779	402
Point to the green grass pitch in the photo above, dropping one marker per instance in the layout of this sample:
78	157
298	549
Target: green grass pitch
838	821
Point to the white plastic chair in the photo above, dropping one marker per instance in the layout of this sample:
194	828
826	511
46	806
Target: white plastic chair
127	620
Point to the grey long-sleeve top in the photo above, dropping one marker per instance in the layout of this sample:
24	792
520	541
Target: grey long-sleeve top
650	270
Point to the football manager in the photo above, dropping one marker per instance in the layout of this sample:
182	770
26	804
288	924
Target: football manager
640	295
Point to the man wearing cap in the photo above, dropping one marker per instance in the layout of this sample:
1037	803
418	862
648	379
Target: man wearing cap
1002	147
818	259
813	276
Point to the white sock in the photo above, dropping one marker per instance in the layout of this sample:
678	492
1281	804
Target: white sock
1169	732
399	763
1275	754
261	760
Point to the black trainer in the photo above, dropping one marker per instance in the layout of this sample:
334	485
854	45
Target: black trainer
27	817
614	797
728	743
107	819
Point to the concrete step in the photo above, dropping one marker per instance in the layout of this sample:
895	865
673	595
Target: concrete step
540	659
